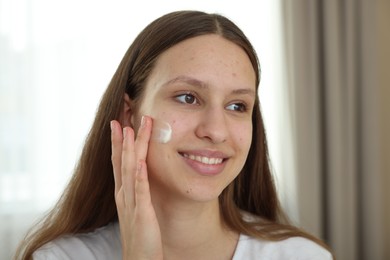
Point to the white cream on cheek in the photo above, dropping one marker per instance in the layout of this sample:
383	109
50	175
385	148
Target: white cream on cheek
162	131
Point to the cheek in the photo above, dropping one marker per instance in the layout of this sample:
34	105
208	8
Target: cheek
180	125
161	153
243	137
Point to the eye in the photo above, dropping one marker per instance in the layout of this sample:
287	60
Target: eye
239	107
187	98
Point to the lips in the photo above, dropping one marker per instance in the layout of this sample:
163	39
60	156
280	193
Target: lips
203	159
207	163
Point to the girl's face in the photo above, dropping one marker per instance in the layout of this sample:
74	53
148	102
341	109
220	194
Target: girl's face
204	87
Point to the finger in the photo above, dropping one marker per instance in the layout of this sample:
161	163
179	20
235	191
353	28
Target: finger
116	153
142	191
128	167
143	137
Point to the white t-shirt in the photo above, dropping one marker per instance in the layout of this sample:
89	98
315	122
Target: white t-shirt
104	243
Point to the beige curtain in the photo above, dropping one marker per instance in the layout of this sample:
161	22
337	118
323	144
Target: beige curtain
338	65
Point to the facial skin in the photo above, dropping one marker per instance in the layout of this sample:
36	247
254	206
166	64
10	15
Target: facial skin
204	88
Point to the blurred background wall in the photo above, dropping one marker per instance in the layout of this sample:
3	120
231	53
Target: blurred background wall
338	62
324	94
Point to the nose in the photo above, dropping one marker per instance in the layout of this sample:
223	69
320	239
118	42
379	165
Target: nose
213	125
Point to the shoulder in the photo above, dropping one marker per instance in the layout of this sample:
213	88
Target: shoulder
103	243
291	248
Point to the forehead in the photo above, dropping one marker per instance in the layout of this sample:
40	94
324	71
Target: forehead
206	57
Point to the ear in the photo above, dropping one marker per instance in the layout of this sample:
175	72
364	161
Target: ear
127	115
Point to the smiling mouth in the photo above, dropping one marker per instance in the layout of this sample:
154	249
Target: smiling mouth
203	159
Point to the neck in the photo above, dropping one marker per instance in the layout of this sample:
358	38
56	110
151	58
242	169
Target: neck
193	229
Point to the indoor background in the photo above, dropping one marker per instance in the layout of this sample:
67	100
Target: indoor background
324	93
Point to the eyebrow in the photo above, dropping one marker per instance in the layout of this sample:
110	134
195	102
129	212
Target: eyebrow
188	80
198	83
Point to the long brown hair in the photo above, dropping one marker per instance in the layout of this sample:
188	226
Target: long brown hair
88	201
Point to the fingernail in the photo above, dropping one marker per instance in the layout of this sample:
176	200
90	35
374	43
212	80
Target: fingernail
111	125
124	132
143	121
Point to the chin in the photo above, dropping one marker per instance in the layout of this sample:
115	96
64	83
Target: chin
202	194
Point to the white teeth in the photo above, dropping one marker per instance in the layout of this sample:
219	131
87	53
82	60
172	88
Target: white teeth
203	159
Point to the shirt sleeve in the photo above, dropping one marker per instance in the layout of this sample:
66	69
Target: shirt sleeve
50	252
295	248
102	244
68	249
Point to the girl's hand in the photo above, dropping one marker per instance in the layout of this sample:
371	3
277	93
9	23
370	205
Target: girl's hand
140	232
